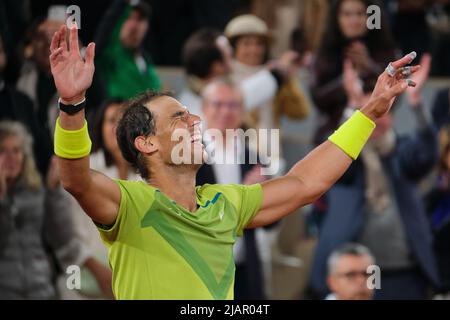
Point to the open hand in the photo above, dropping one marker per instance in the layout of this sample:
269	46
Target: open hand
389	87
72	75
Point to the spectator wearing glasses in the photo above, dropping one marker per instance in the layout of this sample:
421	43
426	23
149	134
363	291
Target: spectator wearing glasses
207	55
224	111
348	274
377	202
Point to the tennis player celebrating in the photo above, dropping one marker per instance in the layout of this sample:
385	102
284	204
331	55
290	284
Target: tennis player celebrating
168	239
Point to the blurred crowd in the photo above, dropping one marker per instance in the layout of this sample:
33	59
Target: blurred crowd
243	66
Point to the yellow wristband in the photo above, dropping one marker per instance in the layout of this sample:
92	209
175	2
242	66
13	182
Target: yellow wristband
72	144
353	134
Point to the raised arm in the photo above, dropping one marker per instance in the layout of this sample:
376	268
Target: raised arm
322	167
98	195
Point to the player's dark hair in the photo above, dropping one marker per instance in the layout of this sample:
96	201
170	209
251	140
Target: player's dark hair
136	121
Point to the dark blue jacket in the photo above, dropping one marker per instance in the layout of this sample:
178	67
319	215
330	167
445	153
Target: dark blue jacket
413	158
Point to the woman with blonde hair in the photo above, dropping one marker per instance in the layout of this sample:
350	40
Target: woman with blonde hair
36	236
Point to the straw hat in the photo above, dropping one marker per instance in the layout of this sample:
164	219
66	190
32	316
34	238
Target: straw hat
247	24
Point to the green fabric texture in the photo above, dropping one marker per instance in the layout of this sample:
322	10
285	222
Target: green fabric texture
159	250
119	70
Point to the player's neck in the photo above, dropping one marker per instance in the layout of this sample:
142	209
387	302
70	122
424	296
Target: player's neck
177	184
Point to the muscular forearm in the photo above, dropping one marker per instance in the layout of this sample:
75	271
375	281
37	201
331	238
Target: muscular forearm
74	173
89	187
313	175
98	195
304	183
320	169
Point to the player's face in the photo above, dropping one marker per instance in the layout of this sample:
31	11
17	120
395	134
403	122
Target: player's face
178	133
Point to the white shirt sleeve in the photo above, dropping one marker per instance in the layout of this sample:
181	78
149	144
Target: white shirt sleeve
258	89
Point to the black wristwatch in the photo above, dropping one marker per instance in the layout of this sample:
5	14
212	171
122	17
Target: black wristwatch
72	108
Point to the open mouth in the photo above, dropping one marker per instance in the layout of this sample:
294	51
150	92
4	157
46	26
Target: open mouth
196	135
196	138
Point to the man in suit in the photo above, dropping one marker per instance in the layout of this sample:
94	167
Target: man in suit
377	203
224	111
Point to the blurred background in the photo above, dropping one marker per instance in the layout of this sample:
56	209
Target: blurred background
301	67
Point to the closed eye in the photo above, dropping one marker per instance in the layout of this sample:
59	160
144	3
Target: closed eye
179	114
